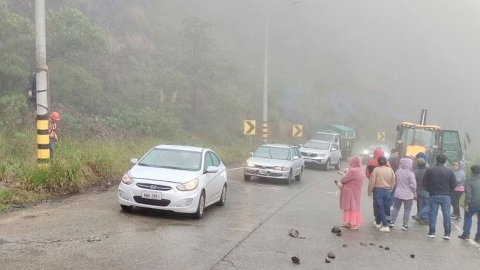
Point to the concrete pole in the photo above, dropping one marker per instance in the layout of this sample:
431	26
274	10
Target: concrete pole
43	151
265	71
265	80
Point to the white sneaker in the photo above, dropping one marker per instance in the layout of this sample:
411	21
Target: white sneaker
378	226
385	229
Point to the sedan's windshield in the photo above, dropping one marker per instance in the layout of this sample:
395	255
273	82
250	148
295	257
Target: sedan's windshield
317	145
273	153
173	159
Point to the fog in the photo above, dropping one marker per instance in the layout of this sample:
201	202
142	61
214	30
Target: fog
368	64
395	57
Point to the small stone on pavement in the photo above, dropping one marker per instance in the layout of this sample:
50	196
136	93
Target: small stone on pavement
331	255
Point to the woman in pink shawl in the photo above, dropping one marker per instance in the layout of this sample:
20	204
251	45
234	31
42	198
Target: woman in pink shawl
350	195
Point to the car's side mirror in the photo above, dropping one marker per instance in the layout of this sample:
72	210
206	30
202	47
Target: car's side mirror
134	161
251	154
212	169
296	158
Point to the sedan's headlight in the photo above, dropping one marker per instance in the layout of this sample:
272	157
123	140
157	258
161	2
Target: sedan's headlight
278	168
248	164
189	185
365	152
127	180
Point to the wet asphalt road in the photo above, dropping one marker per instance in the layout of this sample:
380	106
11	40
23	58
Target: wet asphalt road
88	231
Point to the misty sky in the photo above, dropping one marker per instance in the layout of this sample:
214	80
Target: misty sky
408	54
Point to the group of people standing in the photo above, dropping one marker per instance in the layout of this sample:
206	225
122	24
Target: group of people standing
397	183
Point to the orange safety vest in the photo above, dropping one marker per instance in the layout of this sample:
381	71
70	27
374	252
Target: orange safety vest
52	130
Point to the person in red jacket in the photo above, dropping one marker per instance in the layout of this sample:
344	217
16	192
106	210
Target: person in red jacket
371	165
52	130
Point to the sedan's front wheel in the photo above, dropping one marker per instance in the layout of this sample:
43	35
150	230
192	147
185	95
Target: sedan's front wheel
299	177
246	177
289	179
201	206
126	208
223	197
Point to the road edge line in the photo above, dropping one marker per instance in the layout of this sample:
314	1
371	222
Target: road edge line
473	243
234	169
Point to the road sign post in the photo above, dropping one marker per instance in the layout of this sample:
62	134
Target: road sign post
249	129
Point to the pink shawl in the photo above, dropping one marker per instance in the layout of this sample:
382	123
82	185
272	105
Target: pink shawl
352	186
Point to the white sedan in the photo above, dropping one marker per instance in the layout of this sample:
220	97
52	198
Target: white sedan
182	179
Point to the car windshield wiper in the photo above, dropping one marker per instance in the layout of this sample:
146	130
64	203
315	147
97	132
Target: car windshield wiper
144	164
170	167
161	166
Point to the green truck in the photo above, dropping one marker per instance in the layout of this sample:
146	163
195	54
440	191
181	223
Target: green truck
342	135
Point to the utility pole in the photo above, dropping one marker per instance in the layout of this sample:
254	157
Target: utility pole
265	81
43	140
265	70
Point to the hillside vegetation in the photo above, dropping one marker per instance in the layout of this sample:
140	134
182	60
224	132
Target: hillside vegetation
125	76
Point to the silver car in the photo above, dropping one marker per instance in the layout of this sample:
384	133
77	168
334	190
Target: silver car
276	161
322	154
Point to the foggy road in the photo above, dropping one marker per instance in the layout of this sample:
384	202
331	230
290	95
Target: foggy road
88	231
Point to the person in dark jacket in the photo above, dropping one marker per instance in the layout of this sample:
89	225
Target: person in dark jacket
472	203
394	163
440	182
393	160
423	203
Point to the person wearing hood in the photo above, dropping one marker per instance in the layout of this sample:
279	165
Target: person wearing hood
371	165
380	185
351	192
423	203
459	171
406	188
472	203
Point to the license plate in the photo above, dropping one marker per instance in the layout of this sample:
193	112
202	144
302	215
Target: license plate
151	195
262	172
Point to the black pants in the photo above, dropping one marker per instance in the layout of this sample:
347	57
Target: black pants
456	202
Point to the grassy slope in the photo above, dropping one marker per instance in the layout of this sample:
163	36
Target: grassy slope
77	165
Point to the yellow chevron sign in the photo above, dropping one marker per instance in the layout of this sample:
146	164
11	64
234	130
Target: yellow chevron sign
249	127
297	131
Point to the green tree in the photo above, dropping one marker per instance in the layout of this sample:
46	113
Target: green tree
77	87
71	35
17	45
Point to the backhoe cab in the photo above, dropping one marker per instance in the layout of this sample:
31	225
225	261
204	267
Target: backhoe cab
429	139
